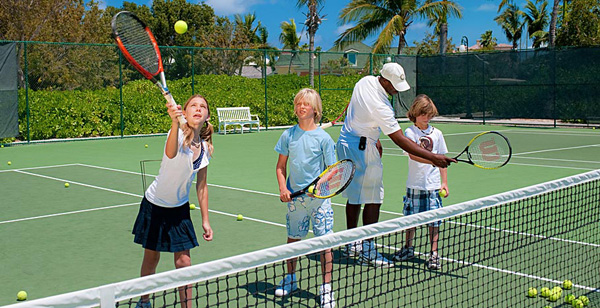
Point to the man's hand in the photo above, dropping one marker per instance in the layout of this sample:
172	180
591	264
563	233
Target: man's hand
442	161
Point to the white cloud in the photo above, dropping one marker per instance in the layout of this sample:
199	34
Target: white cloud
342	28
487	7
318	39
229	7
418	25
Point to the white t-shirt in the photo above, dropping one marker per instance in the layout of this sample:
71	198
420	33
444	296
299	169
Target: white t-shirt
171	188
425	176
369	112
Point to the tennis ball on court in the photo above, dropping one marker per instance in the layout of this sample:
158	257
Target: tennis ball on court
21	295
567	284
545	292
145	145
9	163
181	27
66	185
532	292
569	298
240	217
554	297
192	206
443	193
584	299
577	303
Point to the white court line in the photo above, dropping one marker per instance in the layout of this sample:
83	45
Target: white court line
558	149
555	133
69	213
35	168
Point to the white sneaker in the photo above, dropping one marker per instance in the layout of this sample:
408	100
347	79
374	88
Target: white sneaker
287	285
327	296
352	249
370	256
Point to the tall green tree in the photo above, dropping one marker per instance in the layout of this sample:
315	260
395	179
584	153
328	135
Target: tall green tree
511	23
488	41
438	19
536	17
289	38
553	22
581	26
247	27
312	23
430	45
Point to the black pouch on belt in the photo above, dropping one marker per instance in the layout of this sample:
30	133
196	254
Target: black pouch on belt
362	145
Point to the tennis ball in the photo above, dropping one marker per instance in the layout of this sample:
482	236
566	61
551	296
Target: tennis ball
21	295
545	292
584	299
532	292
240	217
569	298
554	297
192	206
145	145
443	193
577	303
9	163
567	284
181	27
311	189
66	185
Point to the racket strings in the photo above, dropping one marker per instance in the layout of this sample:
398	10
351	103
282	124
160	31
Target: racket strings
490	151
335	179
137	42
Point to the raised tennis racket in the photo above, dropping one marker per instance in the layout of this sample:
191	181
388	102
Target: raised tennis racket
330	124
330	182
488	150
139	47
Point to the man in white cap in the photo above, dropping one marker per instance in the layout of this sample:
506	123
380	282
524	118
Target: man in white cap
370	113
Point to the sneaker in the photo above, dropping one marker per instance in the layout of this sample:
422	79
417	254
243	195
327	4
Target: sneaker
370	255
352	250
405	253
327	296
433	263
141	304
287	285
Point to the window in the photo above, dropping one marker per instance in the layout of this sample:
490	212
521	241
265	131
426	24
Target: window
351	56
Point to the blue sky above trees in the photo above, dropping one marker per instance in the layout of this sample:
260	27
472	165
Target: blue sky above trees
478	16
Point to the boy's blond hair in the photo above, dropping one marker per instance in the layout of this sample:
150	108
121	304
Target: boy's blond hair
421	105
311	97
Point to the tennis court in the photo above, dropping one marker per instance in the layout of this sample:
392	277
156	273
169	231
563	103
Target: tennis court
57	239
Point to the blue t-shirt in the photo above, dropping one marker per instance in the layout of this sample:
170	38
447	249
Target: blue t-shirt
309	152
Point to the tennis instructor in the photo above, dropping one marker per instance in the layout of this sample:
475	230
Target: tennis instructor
370	113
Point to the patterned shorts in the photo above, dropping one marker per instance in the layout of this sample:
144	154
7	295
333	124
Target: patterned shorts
417	201
302	210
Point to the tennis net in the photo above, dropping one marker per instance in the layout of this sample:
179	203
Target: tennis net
491	251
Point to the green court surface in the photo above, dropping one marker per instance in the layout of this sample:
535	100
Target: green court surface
57	239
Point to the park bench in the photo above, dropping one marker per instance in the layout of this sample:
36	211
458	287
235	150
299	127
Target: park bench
237	116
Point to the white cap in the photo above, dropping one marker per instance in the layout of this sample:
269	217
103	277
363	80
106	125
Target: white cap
395	74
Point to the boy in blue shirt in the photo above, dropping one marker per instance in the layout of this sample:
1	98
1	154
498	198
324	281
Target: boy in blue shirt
309	150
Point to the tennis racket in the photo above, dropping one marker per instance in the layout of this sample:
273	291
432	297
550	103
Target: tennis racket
330	182
330	124
488	150
139	47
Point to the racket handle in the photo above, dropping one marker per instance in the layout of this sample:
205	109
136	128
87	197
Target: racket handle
182	120
171	101
296	194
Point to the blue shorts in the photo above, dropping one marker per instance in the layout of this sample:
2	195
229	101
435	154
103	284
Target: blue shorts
417	201
302	210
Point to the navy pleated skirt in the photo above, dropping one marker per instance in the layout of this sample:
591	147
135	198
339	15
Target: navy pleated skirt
164	229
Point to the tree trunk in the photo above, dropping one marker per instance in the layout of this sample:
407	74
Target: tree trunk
552	34
312	28
443	38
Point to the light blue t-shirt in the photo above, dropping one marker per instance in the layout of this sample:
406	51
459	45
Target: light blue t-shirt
309	152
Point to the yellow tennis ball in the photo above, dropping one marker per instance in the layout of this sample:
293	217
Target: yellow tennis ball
192	206
567	284
545	292
145	145
311	189
569	298
66	185
554	297
9	163
181	27
240	217
443	193
532	292
21	295
577	303
584	299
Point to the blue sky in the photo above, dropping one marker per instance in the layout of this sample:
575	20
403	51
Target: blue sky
478	16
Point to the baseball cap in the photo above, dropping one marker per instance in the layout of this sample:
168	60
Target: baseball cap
395	74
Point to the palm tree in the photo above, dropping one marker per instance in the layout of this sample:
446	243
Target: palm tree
553	19
488	41
246	24
389	18
289	39
439	19
313	20
537	21
510	21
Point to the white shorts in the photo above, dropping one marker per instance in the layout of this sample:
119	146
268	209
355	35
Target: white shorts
302	210
367	184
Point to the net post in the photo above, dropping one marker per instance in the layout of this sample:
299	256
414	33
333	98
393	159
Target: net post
107	297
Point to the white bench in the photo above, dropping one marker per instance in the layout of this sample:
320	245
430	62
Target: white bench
237	116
